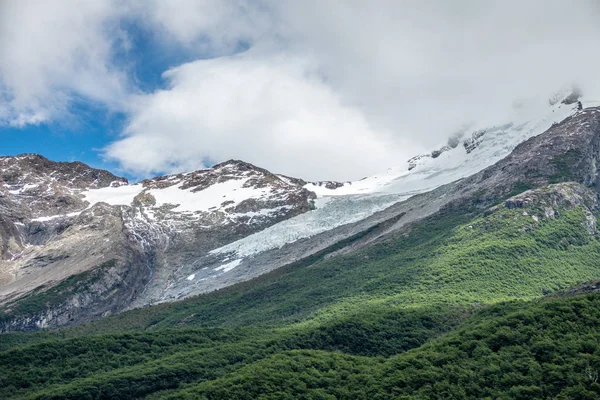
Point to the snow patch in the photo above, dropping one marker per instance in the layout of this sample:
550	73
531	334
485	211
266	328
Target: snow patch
232	191
229	266
115	196
51	217
24	188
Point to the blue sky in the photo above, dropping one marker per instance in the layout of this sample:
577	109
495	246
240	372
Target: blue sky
158	86
80	140
90	125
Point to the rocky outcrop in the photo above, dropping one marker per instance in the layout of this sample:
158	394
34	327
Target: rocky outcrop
97	292
437	153
471	143
416	160
163	234
573	97
57	250
31	186
567	195
61	222
332	185
549	201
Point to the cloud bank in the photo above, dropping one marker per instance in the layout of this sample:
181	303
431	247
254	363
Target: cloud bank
319	90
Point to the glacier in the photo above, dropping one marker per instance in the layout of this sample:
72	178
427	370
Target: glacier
357	200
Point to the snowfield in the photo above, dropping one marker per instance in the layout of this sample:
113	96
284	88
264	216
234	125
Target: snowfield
115	196
354	201
357	200
232	191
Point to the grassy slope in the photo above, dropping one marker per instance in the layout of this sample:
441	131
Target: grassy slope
381	301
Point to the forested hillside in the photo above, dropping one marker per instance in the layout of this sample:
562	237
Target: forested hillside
447	308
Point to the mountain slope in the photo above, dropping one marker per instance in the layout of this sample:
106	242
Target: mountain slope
410	305
63	223
381	301
345	209
176	236
511	351
456	257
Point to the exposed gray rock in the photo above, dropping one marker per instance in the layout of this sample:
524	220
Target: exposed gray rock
471	143
548	201
416	160
329	184
49	232
573	97
437	153
135	252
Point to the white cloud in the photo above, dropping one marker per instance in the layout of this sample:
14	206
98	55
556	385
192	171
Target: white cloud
327	90
206	26
422	68
273	111
52	53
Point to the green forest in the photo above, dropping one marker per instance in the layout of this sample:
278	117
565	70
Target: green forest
461	305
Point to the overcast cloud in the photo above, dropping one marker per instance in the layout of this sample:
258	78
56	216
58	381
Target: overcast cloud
325	90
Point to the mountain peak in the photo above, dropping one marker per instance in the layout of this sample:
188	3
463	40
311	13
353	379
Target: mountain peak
235	163
183	234
30	171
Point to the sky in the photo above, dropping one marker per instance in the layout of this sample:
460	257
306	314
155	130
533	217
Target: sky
321	90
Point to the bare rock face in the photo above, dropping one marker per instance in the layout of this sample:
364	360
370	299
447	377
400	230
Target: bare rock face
567	195
332	185
548	201
33	186
568	151
471	143
416	160
573	97
84	243
50	234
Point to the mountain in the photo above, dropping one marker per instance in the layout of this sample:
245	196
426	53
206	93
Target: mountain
94	245
66	226
397	286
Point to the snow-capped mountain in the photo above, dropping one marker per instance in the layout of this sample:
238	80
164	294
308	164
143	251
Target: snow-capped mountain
65	219
233	192
101	245
467	153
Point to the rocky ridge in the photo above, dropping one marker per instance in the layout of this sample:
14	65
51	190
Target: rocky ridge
64	221
175	236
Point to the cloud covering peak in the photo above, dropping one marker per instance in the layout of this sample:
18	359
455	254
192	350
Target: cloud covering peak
335	90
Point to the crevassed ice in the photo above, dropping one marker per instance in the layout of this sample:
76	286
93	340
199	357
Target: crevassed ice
336	211
351	203
229	266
